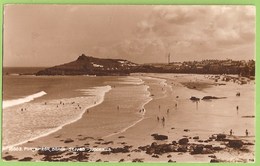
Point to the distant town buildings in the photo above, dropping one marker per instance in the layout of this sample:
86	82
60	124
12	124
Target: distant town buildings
87	65
228	66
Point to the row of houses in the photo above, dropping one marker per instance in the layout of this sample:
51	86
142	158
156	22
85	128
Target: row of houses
218	66
245	68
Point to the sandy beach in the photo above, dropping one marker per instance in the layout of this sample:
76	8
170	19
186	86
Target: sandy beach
120	82
165	126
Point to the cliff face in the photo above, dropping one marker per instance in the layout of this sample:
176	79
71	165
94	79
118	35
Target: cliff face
86	65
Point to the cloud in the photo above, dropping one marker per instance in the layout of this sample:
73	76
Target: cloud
190	33
139	33
199	29
176	14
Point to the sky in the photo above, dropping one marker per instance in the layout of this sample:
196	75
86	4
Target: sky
48	35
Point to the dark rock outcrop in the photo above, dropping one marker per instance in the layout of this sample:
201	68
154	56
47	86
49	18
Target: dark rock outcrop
212	156
220	137
249	116
26	159
98	160
155	156
217	148
214	160
105	152
182	148
235	143
248	143
108	142
9	157
212	97
125	149
194	98
198	149
159	137
68	140
183	141
137	160
171	161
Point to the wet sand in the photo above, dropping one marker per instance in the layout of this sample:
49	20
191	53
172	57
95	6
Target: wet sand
129	137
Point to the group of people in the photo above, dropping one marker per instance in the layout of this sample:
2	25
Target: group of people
231	132
141	110
163	120
23	109
167	111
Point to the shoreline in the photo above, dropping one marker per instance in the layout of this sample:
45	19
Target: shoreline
14	102
62	125
140	135
136	122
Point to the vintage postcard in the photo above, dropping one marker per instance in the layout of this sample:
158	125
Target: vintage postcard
129	83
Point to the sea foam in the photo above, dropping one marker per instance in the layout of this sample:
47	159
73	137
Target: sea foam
14	102
131	80
91	97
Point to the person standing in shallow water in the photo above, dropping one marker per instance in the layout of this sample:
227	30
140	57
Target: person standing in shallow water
247	132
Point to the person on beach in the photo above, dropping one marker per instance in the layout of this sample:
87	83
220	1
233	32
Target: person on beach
231	132
247	132
237	107
159	107
176	105
197	105
158	119
163	121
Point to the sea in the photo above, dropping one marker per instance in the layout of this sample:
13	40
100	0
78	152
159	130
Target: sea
35	106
